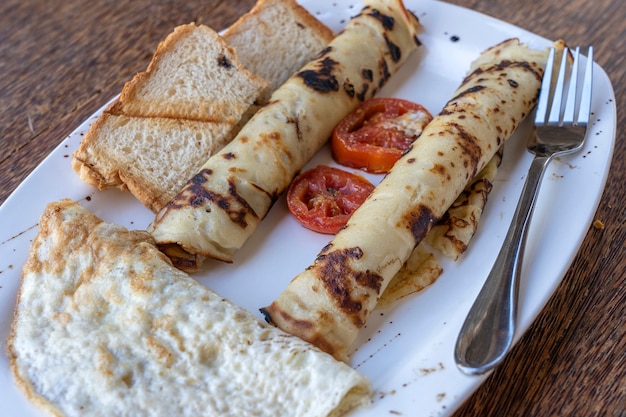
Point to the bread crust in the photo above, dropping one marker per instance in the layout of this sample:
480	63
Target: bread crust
309	21
307	18
133	103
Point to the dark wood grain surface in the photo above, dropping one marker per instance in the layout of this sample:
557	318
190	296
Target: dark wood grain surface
61	60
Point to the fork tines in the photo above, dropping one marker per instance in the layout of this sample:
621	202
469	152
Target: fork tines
569	106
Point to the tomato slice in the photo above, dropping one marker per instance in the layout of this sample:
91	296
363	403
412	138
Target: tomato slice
374	136
323	198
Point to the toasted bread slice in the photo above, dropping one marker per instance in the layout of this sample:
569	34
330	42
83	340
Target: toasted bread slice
152	157
193	75
276	38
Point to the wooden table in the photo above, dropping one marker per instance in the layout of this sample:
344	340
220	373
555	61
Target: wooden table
61	60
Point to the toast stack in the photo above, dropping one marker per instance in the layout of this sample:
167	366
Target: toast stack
198	90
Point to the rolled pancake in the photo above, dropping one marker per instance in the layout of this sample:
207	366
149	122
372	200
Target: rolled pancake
450	236
220	207
106	326
331	300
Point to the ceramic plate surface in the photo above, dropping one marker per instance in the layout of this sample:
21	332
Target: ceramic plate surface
407	351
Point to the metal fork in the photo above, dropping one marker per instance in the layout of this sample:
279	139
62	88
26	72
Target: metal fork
562	116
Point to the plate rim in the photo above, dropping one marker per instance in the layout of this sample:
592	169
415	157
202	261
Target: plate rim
443	407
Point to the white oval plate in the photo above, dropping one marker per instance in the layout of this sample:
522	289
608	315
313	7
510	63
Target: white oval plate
407	352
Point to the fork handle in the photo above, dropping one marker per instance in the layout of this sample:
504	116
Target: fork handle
489	328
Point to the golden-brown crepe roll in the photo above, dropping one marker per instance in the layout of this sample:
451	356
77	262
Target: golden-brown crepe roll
331	300
220	207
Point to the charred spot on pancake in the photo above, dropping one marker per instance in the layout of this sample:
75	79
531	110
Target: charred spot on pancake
525	65
478	71
383	70
500	70
368	74
470	148
470	90
222	61
484	187
362	95
233	169
438	169
349	89
202	176
235	206
326	248
195	195
271	195
266	315
321	79
394	50
340	278
324	51
272	136
229	155
385	20
296	122
419	221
